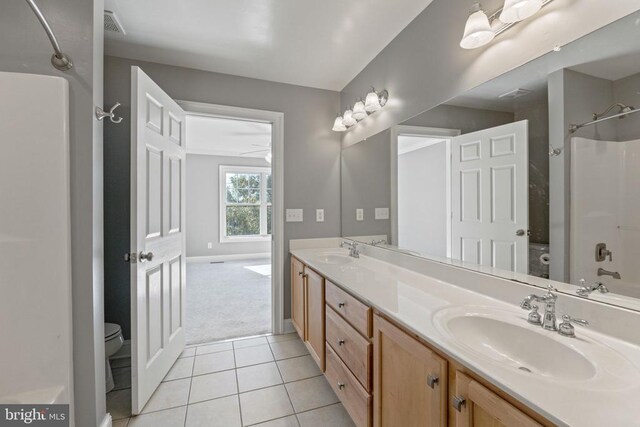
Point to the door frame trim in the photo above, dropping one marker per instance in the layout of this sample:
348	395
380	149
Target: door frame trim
277	165
404	130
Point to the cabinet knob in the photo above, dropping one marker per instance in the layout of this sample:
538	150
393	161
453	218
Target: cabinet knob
300	273
341	304
432	381
458	402
341	342
340	386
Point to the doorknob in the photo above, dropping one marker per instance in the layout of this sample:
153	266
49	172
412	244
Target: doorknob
522	232
146	257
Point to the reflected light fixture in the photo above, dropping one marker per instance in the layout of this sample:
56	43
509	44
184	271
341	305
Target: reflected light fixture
477	31
517	10
268	157
338	125
359	112
347	118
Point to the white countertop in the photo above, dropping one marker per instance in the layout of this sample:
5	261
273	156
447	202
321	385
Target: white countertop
611	397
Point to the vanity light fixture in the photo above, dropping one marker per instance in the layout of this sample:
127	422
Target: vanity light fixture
481	28
374	101
359	113
338	125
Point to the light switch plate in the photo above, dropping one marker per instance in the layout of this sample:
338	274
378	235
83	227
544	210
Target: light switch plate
319	215
294	215
382	213
359	214
209	245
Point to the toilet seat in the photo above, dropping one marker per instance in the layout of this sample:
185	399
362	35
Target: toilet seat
111	330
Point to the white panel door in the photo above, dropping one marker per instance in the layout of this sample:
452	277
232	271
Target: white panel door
157	235
490	197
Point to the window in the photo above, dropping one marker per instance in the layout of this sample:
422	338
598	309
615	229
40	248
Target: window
245	204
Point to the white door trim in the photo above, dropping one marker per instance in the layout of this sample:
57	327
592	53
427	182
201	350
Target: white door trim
277	165
404	130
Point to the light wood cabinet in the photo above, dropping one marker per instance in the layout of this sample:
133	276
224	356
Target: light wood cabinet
315	321
298	297
478	406
355	399
409	380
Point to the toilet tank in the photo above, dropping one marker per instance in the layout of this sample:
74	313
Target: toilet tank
35	257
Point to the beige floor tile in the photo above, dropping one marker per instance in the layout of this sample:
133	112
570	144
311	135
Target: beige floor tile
183	368
167	418
253	355
251	342
213	386
188	352
334	416
223	412
121	378
214	348
258	376
311	393
120	423
290	421
119	404
288	349
213	362
283	337
298	368
169	395
265	405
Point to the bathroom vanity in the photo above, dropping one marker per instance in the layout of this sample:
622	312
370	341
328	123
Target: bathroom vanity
402	347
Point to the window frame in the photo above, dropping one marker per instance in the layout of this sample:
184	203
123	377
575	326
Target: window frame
222	201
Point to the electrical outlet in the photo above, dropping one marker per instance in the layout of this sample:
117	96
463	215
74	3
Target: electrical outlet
209	245
319	215
382	213
294	215
359	214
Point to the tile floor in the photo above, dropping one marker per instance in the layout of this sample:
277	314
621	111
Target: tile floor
267	381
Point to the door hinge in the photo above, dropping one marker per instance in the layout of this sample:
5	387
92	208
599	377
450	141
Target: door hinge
131	257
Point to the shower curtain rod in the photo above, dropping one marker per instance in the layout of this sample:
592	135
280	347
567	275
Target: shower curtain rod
59	60
574	128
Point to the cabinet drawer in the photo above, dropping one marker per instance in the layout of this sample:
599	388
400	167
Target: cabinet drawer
355	312
355	399
354	350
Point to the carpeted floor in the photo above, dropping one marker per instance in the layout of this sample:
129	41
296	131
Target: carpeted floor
228	300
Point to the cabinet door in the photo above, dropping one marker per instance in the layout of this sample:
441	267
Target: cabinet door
483	408
410	380
315	316
298	297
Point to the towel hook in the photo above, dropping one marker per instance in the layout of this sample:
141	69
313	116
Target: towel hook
101	114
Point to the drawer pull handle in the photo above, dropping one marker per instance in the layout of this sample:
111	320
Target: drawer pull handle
458	402
341	342
340	386
341	304
432	381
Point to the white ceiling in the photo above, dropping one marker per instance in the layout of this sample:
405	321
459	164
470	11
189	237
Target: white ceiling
315	43
227	137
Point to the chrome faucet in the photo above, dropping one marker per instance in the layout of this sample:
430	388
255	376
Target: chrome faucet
585	291
548	321
614	274
353	248
378	242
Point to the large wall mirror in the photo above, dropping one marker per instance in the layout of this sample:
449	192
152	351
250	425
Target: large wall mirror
533	175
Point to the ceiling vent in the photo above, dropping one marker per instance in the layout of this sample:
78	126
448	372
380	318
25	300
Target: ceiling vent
516	93
112	24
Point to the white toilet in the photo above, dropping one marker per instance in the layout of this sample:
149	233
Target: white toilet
112	343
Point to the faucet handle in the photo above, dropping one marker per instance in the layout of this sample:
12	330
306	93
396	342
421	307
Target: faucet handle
534	316
566	327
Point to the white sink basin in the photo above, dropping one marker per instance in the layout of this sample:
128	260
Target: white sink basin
333	258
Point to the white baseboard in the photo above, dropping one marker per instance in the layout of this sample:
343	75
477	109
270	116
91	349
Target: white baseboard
233	257
106	421
288	327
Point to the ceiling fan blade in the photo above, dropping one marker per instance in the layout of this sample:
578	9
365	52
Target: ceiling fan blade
254	151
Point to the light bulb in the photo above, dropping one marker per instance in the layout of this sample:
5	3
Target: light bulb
517	10
477	31
359	112
338	125
347	118
372	102
268	157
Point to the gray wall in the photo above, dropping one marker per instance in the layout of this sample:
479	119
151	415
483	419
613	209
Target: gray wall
627	91
422	200
311	158
424	65
463	118
203	206
26	49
